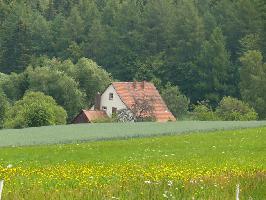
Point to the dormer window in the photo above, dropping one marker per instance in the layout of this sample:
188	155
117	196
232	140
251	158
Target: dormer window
111	96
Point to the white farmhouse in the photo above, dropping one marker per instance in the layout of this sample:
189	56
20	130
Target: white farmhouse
123	95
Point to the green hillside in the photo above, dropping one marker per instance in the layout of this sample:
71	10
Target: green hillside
199	165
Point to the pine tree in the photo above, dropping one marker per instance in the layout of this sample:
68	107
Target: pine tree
213	69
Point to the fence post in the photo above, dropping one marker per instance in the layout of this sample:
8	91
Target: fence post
237	192
1	188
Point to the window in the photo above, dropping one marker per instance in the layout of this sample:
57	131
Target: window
114	110
111	96
104	108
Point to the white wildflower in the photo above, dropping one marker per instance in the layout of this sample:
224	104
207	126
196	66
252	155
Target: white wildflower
170	183
147	182
9	166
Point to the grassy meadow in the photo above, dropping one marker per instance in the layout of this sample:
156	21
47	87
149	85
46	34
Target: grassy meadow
183	166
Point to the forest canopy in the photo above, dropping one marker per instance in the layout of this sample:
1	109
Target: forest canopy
75	48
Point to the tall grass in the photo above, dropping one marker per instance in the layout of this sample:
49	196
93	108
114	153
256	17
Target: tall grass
189	166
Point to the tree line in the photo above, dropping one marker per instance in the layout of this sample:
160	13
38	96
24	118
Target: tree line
208	49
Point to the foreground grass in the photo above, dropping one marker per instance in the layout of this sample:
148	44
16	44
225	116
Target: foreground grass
199	166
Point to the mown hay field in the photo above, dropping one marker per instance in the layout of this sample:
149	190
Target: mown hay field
188	166
92	132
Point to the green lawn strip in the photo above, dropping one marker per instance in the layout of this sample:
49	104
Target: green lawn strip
238	147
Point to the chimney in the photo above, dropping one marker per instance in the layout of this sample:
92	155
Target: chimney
135	84
97	105
143	84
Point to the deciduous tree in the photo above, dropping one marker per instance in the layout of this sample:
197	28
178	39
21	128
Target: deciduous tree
253	81
175	100
231	109
63	88
3	107
35	109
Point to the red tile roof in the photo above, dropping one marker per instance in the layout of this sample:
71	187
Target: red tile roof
129	91
94	114
88	116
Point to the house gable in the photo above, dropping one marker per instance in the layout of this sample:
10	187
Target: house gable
111	101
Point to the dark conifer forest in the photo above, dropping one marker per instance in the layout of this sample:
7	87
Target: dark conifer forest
204	50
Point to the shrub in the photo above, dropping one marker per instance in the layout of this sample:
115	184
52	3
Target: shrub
176	102
38	116
33	110
203	112
231	109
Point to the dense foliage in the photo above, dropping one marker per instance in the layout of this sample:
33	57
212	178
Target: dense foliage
231	109
207	48
3	108
73	86
35	109
177	102
253	81
203	112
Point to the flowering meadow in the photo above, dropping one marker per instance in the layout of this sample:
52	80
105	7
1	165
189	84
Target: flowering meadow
190	166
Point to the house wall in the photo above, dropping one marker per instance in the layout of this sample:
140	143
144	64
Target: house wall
109	104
